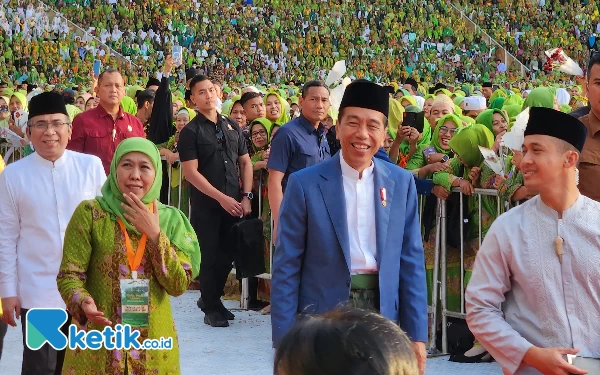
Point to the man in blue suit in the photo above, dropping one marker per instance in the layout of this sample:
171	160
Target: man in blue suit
349	230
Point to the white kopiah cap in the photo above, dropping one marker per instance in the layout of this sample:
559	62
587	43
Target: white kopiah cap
474	103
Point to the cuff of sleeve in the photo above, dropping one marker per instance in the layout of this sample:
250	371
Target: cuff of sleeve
8	290
512	360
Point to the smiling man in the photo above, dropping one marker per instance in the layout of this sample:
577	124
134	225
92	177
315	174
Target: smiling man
38	195
349	230
539	261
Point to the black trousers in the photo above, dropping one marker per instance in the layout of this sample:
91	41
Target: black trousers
46	360
213	229
3	328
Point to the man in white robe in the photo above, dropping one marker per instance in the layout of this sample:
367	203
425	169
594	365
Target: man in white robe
38	195
541	261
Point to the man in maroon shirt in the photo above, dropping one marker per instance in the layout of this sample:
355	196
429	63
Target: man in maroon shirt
100	130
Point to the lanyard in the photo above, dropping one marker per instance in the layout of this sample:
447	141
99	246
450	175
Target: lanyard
134	259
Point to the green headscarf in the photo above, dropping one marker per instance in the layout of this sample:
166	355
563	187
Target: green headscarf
410	99
128	105
497	103
396	114
425	135
539	97
513	111
513	99
265	123
500	93
435	140
565	108
466	141
228	105
486	118
173	223
284	118
72	111
23	99
468	120
458	100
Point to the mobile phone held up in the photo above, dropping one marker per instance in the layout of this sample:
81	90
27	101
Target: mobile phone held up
97	67
415	120
177	56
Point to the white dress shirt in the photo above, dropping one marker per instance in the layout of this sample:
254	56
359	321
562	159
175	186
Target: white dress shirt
37	199
545	303
360	216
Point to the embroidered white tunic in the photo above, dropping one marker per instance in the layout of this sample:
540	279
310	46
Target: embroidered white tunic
545	303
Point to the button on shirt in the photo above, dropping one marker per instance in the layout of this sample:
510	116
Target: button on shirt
297	145
95	132
37	200
360	216
217	148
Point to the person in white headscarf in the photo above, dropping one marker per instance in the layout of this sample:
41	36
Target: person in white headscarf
563	98
420	101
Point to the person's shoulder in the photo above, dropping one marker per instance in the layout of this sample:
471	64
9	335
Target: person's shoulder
592	207
21	166
85	159
86	115
395	172
234	124
510	221
313	173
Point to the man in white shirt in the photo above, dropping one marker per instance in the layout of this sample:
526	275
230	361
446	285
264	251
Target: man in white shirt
540	261
349	230
38	195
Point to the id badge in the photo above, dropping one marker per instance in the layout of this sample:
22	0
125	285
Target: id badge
134	302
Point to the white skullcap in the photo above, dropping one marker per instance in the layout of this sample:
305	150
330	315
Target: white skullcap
474	103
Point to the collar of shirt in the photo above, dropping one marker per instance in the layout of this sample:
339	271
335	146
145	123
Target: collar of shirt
594	124
310	128
201	118
49	164
569	214
351	173
102	112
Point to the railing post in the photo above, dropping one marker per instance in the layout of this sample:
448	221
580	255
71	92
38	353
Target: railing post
444	272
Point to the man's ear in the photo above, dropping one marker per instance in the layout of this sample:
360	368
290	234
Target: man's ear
572	159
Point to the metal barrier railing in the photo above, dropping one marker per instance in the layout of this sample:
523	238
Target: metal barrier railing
441	261
10	153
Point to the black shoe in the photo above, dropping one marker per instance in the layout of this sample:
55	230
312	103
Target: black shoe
257	305
215	319
226	313
221	309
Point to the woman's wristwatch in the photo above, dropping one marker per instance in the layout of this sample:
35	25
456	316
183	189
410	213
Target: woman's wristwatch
248	195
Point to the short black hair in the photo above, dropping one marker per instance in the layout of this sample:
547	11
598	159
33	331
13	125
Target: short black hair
144	96
152	81
309	84
594	60
345	342
188	94
109	71
249	96
197	79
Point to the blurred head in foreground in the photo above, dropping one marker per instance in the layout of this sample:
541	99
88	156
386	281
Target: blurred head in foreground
346	342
